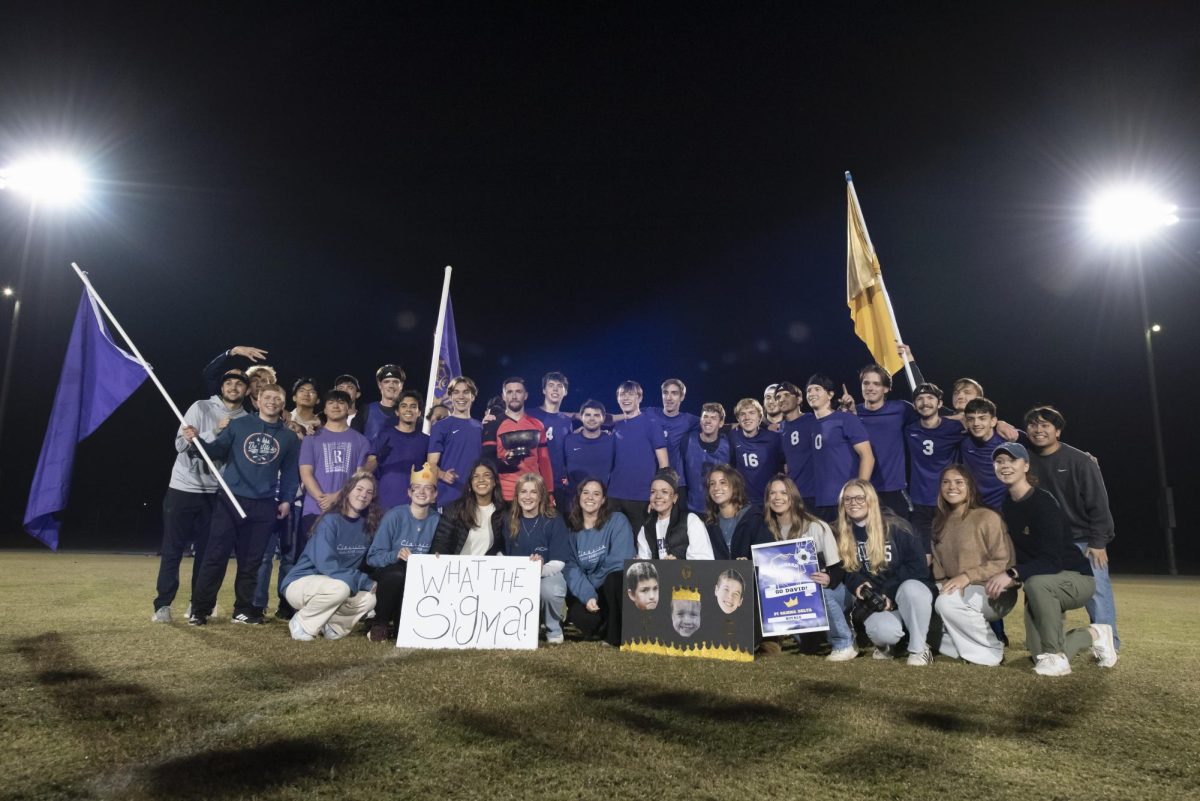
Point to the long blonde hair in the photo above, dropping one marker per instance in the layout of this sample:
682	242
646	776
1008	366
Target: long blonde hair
876	530
544	508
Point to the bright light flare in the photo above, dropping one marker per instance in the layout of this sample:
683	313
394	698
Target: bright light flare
7	291
47	180
1156	328
1130	213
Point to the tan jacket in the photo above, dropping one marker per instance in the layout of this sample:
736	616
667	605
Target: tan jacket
977	545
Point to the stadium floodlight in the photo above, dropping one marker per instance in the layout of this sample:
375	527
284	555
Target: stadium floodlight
1130	213
49	180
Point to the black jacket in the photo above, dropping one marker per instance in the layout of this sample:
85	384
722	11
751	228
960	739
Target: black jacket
750	530
451	535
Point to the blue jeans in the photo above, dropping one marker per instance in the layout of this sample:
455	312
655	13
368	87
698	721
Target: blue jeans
554	595
837	601
1103	607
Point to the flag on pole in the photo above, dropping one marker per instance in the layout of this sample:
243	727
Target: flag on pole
870	308
97	377
448	364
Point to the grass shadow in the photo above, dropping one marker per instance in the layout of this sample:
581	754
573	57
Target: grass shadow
79	693
229	773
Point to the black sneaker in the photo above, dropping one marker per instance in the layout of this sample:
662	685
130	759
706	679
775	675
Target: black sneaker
197	620
249	620
284	614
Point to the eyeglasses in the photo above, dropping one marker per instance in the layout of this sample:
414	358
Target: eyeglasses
854	500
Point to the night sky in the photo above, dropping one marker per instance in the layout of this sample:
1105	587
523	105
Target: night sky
623	192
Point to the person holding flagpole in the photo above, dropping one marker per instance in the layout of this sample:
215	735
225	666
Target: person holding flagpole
188	504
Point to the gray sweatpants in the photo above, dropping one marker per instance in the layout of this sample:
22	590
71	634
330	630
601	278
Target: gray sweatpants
914	607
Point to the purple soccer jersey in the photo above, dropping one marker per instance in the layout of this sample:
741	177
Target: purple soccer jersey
333	456
930	451
398	452
558	425
977	456
796	436
757	458
634	462
459	440
885	428
834	459
588	458
676	429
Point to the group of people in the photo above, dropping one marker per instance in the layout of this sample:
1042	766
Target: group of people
927	519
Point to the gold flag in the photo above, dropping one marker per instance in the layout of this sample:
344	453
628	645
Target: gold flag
864	291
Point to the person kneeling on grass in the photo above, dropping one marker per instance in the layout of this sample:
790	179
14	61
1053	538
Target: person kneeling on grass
535	531
788	519
970	546
404	531
327	587
886	571
1056	576
600	542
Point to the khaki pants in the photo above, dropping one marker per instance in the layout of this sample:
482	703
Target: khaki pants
321	601
1047	597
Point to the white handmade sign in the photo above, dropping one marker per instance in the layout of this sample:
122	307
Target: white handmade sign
470	602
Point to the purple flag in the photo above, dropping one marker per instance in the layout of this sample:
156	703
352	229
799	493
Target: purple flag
97	377
448	363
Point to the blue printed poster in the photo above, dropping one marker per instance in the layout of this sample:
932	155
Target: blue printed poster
790	600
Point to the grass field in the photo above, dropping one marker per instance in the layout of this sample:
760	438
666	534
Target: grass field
100	703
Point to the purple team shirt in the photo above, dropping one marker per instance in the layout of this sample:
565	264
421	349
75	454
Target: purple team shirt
588	458
834	459
634	462
333	456
930	451
558	425
885	429
675	429
398	452
757	458
977	456
459	440
796	436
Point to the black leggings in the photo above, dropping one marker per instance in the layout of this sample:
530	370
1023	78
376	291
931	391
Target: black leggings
607	622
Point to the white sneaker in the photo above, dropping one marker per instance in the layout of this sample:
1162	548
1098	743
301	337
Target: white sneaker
1103	648
1052	665
920	658
846	654
882	652
328	633
298	632
163	615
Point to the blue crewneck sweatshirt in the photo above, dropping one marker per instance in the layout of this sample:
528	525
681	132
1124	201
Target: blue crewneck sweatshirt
399	529
257	455
336	549
594	553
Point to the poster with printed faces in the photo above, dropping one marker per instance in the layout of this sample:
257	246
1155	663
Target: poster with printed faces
470	602
676	607
791	602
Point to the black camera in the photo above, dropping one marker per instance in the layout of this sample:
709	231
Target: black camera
873	599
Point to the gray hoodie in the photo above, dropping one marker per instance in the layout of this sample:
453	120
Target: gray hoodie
190	473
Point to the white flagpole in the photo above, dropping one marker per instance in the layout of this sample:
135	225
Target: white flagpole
150	372
887	299
437	348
